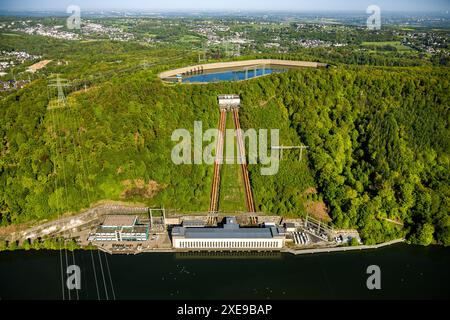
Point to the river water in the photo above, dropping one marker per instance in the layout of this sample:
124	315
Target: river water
407	272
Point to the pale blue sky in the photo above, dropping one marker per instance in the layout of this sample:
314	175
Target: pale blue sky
291	5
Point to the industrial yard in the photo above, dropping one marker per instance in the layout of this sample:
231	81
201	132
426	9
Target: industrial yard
107	227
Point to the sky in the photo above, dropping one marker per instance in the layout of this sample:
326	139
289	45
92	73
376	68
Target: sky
217	5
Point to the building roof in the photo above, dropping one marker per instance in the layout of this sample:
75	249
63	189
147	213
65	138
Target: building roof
229	100
119	220
134	229
228	96
193	223
289	225
230	230
219	233
230	223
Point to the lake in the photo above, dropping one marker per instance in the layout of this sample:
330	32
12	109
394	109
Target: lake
407	272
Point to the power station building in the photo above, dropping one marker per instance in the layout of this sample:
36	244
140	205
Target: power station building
121	228
230	236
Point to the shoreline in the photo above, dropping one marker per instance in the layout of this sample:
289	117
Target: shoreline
342	249
282	250
225	252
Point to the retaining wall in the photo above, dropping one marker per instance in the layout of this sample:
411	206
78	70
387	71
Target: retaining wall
240	64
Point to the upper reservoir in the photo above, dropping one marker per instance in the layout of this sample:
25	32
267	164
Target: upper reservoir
231	75
234	70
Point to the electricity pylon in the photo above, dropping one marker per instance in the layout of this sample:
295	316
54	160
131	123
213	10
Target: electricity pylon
202	55
290	147
59	84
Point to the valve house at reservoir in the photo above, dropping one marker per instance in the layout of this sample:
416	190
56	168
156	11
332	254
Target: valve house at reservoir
230	236
229	101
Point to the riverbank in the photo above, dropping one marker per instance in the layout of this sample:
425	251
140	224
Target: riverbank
343	248
282	250
60	245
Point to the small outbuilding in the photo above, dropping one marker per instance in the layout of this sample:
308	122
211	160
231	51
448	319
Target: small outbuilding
290	227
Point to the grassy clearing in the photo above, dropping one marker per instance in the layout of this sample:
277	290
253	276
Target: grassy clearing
396	44
189	39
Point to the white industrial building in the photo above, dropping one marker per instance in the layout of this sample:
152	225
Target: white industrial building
228	101
228	237
121	228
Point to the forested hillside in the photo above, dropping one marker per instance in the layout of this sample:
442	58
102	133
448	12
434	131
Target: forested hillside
378	147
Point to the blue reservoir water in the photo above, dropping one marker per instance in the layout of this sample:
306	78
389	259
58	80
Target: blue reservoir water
230	75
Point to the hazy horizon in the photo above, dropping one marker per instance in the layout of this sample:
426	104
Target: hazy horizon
230	5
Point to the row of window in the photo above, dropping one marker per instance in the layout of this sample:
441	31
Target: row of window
228	244
106	238
138	234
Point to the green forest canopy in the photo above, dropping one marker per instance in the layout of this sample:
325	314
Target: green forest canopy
378	147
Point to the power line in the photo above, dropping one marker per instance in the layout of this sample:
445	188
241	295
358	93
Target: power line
95	275
76	289
62	272
58	204
110	278
67	265
103	274
60	84
85	176
76	138
61	104
281	148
